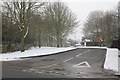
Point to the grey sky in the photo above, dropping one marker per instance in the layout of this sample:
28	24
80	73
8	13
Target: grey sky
82	8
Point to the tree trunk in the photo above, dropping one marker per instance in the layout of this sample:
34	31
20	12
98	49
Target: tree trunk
22	41
39	44
9	47
50	41
61	42
58	39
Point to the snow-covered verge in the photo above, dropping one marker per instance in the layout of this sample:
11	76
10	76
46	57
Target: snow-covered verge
111	61
119	63
92	47
34	51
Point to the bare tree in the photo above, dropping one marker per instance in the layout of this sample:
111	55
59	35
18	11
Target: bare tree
20	13
61	20
101	24
92	25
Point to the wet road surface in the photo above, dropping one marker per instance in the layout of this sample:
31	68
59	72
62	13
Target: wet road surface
79	63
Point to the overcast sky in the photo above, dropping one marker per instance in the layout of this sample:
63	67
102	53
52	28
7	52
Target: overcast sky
82	8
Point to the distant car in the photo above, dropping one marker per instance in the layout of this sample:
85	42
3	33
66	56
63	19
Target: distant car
77	45
119	55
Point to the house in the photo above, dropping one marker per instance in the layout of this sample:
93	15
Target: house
98	41
86	41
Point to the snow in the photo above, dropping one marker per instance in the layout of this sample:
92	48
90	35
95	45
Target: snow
92	47
111	61
26	32
34	51
87	40
119	63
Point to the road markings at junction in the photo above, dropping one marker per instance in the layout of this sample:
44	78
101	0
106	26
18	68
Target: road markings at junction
38	72
68	59
85	51
81	64
68	75
78	55
24	70
31	69
49	66
50	71
85	77
28	70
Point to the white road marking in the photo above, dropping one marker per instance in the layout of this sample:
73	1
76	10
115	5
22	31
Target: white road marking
67	75
46	66
68	59
57	72
24	70
38	72
49	66
85	51
50	71
78	55
78	65
31	69
54	64
84	76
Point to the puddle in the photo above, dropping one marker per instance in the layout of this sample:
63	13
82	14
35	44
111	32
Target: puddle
48	60
58	69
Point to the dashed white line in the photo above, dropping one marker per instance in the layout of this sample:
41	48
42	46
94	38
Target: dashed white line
84	77
48	66
85	51
68	59
24	70
31	69
50	71
38	72
68	75
78	55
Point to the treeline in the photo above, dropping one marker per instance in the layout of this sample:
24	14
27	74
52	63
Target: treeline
26	24
103	25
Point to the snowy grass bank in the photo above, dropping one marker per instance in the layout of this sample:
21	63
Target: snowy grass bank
92	47
34	51
111	61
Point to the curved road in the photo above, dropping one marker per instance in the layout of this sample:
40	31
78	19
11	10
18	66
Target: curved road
79	63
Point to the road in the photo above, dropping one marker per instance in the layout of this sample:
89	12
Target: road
79	63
